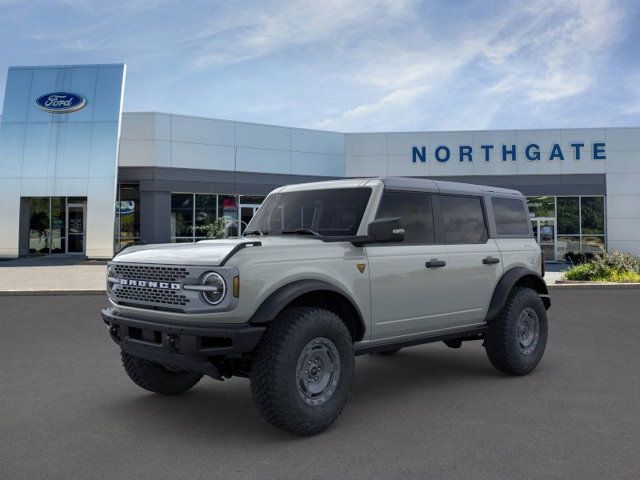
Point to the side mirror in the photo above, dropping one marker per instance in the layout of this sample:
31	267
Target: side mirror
385	230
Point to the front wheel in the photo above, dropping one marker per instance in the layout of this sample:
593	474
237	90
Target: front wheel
302	370
515	341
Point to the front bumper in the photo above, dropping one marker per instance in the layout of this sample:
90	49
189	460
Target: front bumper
184	346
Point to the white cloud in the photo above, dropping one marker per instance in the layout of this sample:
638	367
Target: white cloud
541	53
349	64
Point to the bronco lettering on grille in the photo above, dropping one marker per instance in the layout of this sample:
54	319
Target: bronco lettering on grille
150	284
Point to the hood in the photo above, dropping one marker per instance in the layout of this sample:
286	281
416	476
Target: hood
204	252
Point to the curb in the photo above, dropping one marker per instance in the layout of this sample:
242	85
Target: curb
22	293
593	286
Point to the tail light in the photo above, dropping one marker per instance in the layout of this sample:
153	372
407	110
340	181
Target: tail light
542	271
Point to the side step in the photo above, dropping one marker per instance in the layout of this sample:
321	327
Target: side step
463	336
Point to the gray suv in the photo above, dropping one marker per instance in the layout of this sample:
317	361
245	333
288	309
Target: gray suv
324	272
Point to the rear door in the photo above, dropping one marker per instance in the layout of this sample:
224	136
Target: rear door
410	279
474	258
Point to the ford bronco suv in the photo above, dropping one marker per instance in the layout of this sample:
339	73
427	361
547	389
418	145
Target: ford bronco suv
326	271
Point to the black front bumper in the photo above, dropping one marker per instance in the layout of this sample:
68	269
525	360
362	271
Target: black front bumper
185	346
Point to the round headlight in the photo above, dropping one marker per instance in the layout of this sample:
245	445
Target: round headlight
216	288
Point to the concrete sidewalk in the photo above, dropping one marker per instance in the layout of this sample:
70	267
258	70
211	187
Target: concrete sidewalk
52	275
554	272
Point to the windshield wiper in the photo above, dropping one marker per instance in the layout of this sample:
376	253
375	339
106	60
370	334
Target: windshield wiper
300	231
255	232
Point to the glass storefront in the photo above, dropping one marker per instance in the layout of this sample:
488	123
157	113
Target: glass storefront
57	225
568	224
190	212
127	219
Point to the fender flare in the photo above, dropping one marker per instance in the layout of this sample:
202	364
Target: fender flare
279	299
506	283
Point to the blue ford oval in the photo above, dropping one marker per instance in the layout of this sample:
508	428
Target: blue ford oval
61	102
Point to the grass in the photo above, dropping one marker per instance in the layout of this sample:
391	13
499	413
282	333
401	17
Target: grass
588	272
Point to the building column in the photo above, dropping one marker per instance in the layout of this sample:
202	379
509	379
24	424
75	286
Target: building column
155	216
25	217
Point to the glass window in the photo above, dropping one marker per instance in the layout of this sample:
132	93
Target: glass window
415	211
127	216
567	244
205	209
181	215
592	244
463	219
251	199
592	210
542	206
228	207
39	225
58	224
568	216
336	211
511	216
190	211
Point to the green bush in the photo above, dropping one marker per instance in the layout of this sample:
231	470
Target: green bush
615	266
215	230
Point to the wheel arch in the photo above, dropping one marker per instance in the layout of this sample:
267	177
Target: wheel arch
313	293
518	276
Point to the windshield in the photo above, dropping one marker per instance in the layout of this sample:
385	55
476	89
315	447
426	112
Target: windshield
329	212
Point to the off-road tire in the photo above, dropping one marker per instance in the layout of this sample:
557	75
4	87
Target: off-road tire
155	378
391	351
502	342
274	371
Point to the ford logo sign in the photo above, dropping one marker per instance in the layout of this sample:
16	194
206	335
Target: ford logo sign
61	102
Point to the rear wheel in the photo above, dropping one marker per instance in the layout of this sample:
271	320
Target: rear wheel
516	340
156	378
302	370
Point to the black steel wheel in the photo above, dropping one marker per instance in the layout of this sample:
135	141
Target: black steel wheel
516	340
302	370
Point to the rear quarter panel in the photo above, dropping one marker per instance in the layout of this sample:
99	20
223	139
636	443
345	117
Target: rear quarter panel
519	252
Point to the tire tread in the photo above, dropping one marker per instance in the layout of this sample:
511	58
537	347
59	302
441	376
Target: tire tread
267	387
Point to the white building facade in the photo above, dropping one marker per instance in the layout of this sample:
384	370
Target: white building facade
162	176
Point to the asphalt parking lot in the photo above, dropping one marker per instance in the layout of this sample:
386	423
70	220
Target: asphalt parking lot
67	410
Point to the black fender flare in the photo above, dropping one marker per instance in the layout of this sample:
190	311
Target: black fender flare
279	299
506	283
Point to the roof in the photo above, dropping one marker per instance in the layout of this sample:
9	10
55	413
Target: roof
402	183
428	185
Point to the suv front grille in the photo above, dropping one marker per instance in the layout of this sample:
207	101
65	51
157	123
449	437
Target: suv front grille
152	297
156	296
151	272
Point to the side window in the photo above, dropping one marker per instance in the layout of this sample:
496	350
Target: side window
511	216
415	211
463	219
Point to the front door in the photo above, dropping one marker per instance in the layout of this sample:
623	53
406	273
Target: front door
410	291
76	220
544	231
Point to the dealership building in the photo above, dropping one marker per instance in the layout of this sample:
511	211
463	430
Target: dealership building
80	176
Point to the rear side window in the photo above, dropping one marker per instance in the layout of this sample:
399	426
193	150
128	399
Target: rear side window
511	216
415	211
463	219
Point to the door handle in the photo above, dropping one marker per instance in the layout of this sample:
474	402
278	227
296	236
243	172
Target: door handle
490	260
435	263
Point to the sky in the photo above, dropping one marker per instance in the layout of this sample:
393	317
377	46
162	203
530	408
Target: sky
351	65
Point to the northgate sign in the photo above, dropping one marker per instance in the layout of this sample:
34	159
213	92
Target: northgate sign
531	152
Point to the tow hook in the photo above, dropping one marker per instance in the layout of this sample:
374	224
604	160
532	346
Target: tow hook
114	331
172	343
